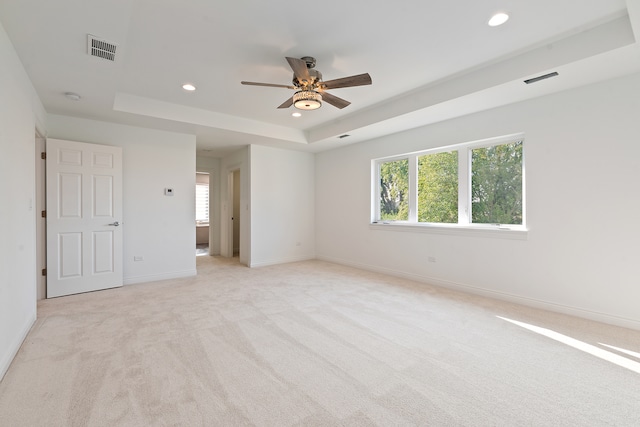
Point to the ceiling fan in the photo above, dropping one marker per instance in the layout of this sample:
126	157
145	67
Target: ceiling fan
310	89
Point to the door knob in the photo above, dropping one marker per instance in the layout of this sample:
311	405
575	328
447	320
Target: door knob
115	224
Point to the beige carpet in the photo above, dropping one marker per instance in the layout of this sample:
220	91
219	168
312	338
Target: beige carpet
312	344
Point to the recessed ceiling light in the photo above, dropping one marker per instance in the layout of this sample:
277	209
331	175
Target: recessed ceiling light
498	19
73	96
296	114
189	87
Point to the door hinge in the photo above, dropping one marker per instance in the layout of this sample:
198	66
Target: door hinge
43	155
44	214
44	271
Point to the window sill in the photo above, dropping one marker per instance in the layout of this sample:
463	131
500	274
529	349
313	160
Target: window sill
503	232
202	224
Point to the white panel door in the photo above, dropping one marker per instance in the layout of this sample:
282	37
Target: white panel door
84	217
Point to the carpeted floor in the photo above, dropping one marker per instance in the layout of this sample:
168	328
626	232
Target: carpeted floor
202	249
314	344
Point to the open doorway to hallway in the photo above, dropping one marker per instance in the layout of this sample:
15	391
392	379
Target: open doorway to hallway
232	214
202	213
236	212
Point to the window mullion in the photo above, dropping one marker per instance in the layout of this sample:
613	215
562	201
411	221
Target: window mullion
413	188
464	186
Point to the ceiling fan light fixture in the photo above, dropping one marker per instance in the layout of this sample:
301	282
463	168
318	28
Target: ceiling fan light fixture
307	100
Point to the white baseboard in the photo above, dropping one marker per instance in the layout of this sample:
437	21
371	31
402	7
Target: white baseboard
157	277
504	296
282	261
15	345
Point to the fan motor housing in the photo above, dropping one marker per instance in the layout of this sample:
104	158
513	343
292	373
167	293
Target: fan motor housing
316	78
310	60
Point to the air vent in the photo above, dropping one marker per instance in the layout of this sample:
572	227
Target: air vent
537	79
101	48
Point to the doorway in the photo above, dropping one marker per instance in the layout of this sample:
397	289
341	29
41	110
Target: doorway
202	213
231	215
236	212
41	223
84	237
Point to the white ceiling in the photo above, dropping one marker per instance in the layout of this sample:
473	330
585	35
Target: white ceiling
429	61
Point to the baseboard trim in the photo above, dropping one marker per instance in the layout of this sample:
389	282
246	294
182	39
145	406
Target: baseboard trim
157	277
281	261
15	346
504	296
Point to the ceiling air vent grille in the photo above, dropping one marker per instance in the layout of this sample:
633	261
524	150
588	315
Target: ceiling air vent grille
537	79
101	48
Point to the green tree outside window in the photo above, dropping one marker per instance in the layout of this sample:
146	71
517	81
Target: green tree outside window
394	190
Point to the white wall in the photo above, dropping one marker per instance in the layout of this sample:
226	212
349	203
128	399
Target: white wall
582	156
20	113
282	206
157	227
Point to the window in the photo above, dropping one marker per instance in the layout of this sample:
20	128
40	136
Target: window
202	203
438	187
472	183
496	184
394	190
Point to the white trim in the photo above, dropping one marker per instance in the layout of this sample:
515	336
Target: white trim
464	186
413	189
282	261
15	346
514	232
503	296
157	277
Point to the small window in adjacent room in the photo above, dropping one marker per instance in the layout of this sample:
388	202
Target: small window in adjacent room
202	198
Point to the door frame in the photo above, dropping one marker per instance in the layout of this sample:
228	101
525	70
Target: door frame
41	222
226	238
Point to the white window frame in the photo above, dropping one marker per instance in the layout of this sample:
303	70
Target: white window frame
464	225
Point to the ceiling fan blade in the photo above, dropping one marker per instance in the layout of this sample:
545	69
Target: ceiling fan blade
357	80
334	100
268	85
300	69
286	104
